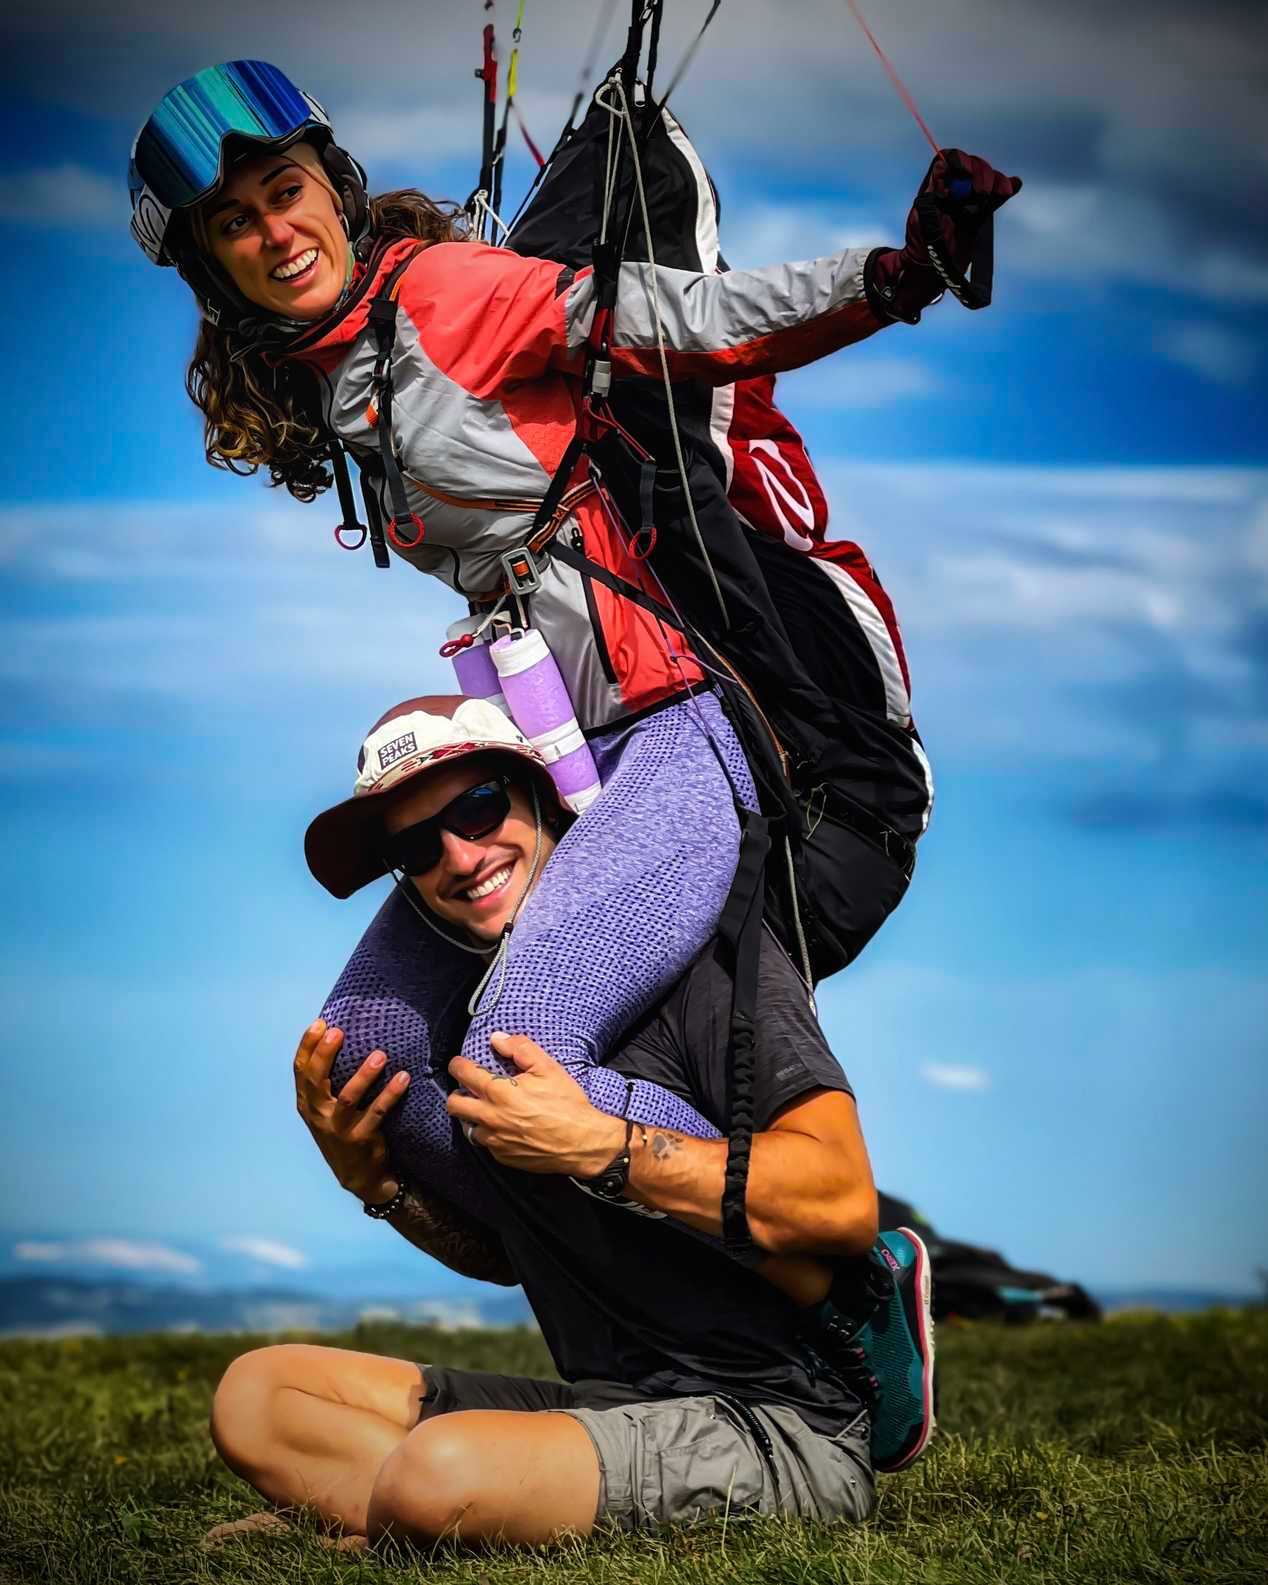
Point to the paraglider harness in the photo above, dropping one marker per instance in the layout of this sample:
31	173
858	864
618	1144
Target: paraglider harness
708	571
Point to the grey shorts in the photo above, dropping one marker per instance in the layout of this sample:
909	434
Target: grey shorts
675	1460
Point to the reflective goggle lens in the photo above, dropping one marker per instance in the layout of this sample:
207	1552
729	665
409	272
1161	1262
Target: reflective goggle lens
178	152
471	815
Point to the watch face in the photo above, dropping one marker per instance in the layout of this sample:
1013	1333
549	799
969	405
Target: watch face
610	1185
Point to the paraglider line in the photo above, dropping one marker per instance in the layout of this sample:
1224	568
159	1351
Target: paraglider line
681	70
893	76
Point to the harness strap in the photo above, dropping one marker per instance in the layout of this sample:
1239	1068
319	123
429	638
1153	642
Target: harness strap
374	517
588	568
559	483
349	523
382	318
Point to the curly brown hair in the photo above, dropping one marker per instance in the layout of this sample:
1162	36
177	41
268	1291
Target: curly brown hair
262	412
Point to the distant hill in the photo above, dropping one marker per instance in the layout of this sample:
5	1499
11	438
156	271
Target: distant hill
67	1306
1174	1301
52	1306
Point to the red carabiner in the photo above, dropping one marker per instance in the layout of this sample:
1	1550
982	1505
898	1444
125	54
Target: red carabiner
640	551
398	540
456	645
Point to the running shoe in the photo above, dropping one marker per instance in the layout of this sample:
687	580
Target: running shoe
897	1342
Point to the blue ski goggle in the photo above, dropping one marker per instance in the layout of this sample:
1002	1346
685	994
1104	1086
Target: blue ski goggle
179	152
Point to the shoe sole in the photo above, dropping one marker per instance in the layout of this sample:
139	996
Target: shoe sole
924	1340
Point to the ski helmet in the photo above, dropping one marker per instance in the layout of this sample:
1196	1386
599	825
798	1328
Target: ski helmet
182	153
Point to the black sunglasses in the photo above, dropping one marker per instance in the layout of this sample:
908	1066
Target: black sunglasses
470	815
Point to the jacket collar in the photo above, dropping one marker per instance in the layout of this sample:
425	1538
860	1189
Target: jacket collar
336	333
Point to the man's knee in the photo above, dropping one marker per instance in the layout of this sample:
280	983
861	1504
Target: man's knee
428	1483
242	1408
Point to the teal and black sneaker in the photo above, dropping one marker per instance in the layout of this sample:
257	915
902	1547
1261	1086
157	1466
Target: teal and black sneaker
897	1342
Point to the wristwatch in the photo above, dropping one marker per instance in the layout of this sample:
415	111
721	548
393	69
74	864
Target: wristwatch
610	1184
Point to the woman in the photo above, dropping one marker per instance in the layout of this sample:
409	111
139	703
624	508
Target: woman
453	372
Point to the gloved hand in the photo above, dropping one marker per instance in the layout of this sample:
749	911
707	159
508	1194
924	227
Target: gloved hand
948	231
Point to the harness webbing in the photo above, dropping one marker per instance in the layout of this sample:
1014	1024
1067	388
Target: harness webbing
382	318
588	568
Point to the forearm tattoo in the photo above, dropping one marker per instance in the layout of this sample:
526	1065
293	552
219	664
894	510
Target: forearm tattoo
664	1145
457	1240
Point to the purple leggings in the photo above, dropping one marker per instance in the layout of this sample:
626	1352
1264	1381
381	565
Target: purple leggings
629	898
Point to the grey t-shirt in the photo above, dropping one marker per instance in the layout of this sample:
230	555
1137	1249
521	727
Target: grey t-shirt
682	1043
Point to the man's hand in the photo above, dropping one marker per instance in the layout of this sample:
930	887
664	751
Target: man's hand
347	1135
538	1118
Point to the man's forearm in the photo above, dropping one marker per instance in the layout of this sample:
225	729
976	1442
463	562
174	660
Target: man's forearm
457	1240
797	1200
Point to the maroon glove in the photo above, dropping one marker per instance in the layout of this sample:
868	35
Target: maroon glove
950	240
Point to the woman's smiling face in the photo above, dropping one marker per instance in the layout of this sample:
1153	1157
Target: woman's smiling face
274	228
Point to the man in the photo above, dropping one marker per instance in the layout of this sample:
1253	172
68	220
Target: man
692	1384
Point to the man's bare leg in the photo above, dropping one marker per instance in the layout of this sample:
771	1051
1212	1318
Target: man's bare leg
310	1427
477	1475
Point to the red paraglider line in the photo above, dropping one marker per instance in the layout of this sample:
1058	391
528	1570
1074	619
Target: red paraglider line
893	76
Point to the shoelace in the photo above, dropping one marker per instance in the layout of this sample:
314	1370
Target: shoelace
831	1340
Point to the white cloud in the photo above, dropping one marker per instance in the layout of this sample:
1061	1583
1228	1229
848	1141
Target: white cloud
447	1315
123	1254
865	382
1211	351
401	130
63	195
1112	234
55	1330
1038	593
766	232
1136	159
266	1250
954	1076
1046	596
277	1316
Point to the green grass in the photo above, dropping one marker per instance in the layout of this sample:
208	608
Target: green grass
1131	1451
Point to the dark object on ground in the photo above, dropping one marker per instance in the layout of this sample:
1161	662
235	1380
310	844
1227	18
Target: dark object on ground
979	1284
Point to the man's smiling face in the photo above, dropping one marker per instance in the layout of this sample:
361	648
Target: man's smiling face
475	884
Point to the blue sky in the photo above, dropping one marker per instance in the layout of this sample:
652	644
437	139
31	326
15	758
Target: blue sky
1058	1042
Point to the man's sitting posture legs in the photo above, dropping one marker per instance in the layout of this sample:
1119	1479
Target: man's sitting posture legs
337	1433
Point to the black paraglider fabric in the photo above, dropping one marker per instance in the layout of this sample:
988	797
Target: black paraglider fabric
564	218
836	750
978	1284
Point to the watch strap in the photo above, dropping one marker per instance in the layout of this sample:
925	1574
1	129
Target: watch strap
610	1184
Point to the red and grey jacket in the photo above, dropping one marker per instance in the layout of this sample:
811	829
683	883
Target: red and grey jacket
487	364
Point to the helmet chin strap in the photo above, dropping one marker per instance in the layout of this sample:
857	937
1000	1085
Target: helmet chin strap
501	948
